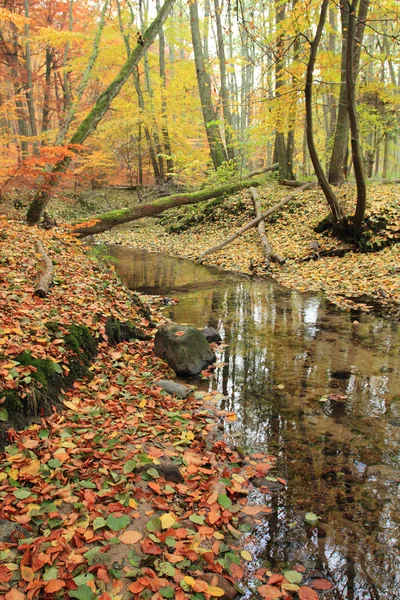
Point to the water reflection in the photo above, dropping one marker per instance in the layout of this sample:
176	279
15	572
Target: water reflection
319	392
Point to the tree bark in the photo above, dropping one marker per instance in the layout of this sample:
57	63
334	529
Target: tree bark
164	112
266	246
336	209
337	164
102	105
255	221
351	107
29	91
106	221
217	151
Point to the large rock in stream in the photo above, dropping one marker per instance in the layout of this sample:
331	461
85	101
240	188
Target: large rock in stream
184	348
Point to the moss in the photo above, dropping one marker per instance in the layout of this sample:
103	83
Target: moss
45	368
12	401
80	340
118	331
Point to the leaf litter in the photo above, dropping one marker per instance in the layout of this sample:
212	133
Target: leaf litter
123	493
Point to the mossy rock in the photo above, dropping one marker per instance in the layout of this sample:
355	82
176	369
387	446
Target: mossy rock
184	348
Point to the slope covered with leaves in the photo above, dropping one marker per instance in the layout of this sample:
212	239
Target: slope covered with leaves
356	279
125	492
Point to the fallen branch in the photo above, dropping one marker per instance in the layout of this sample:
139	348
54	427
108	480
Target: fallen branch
268	252
255	221
46	278
321	253
105	221
273	167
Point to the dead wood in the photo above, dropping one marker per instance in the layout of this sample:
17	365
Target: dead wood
267	248
273	167
255	221
46	278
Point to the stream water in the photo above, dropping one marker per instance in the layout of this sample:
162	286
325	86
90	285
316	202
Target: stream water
319	389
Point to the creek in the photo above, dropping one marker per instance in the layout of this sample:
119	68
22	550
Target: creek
319	389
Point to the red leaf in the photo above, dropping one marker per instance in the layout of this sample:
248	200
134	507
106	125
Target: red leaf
321	584
306	593
150	547
275	578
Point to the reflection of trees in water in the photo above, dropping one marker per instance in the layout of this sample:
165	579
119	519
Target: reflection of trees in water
281	337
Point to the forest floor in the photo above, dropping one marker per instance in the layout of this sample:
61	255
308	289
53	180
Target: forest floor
362	280
125	491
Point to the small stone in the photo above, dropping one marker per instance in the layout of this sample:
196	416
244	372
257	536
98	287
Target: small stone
10	531
217	580
175	389
184	348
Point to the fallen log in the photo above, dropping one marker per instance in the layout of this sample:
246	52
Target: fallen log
267	248
255	221
273	167
108	220
46	278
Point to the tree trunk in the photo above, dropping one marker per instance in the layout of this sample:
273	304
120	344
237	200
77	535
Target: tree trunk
107	221
224	83
336	209
29	91
351	107
337	165
102	105
255	221
46	96
164	112
217	150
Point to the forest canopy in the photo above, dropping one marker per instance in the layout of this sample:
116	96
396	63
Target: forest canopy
137	93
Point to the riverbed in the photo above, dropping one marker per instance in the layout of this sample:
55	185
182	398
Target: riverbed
319	389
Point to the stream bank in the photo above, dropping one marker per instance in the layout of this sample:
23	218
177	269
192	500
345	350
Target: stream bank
367	281
318	390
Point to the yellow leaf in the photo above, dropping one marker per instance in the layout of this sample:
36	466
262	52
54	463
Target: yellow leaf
238	478
215	591
31	469
71	405
189	580
132	503
167	520
290	587
142	403
13	473
246	555
3	476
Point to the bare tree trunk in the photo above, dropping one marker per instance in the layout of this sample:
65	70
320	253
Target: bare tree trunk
336	209
351	107
224	83
163	77
337	167
98	111
67	95
217	150
29	91
46	96
85	79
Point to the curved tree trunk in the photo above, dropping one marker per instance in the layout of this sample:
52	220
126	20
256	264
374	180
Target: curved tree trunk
94	117
351	106
336	209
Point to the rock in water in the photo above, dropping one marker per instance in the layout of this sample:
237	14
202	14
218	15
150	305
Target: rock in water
211	334
184	348
182	391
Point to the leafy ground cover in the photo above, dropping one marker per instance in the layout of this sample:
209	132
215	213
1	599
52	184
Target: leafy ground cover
359	280
125	492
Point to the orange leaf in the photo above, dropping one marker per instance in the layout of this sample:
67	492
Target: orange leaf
103	575
14	595
252	510
136	587
269	592
130	537
54	585
180	333
5	574
150	547
200	585
27	573
306	593
275	578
